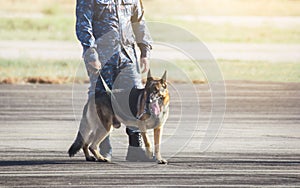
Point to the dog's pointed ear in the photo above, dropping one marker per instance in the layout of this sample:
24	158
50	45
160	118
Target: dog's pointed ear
149	76
164	77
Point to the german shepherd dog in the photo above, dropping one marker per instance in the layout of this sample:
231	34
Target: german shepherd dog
148	106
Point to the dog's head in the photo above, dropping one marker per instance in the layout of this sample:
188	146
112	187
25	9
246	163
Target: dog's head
157	93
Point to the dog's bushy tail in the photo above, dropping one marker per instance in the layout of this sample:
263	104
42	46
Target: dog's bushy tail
76	146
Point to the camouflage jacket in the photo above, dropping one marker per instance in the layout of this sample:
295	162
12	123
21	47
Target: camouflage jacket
112	25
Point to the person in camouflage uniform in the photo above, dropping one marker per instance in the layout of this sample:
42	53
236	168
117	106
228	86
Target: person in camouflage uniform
108	31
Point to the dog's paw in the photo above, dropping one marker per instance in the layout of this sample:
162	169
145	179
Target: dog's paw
103	160
90	159
162	161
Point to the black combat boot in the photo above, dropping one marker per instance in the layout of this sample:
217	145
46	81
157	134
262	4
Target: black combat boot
135	151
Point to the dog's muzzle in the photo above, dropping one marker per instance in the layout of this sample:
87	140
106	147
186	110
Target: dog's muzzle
154	104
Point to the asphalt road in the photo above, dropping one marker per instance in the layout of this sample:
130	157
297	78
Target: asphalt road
258	143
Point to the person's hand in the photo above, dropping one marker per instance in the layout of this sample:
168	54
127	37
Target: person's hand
94	67
144	62
95	64
91	59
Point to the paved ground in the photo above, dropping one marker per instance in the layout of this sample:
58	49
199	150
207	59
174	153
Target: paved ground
258	144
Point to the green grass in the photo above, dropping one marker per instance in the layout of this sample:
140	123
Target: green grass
38	6
57	20
223	33
188	71
223	7
260	71
67	71
46	28
63	29
27	70
175	7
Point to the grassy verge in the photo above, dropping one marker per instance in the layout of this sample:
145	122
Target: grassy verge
260	71
68	71
224	7
45	28
63	29
187	71
56	20
225	32
38	71
174	7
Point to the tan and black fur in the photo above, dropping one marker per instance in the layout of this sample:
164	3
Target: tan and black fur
154	97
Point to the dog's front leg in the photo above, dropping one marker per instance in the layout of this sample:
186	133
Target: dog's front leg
157	140
146	139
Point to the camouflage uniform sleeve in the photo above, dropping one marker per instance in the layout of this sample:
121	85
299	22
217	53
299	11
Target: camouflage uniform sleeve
84	16
143	38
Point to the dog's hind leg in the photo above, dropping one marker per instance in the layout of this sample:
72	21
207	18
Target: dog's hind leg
77	145
100	135
88	157
85	149
85	130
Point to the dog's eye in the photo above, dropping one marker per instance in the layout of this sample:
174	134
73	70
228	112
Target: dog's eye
162	90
